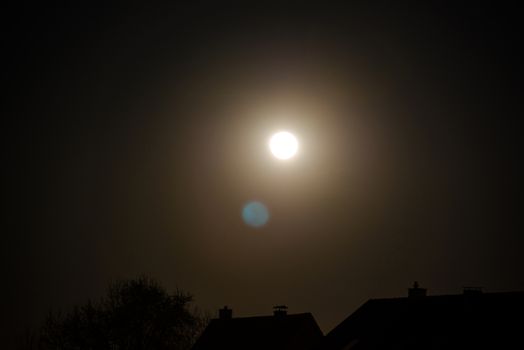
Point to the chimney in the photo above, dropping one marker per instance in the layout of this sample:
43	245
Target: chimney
279	310
225	313
416	291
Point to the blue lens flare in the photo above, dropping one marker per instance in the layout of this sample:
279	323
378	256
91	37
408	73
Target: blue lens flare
255	214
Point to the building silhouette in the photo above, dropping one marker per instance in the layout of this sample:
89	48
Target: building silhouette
280	331
471	320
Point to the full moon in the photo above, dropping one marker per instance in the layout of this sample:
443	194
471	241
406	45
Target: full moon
283	145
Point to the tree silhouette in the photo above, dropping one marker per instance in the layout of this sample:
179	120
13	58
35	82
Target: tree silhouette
135	314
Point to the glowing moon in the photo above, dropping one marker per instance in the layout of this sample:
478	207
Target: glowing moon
283	145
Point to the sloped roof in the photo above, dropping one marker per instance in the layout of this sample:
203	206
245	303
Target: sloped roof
476	321
297	331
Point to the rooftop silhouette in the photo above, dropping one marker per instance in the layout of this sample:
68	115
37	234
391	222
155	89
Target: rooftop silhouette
277	331
471	320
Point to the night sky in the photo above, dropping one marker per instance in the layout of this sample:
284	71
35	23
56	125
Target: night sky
133	136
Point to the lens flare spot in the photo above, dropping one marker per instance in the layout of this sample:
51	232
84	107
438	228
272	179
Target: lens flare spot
255	214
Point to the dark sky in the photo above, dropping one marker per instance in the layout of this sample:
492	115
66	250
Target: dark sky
133	136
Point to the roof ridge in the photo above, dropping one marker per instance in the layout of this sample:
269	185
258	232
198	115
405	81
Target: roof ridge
269	316
445	295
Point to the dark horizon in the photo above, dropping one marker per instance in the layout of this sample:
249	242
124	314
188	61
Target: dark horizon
134	137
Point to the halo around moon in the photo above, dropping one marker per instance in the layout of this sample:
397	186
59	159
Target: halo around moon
283	145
